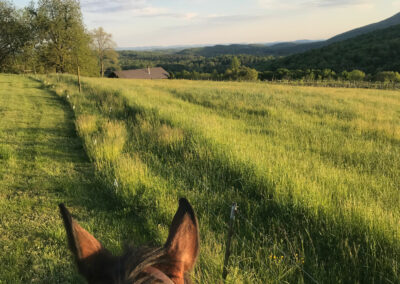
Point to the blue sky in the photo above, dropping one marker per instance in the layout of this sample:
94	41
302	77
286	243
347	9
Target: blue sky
184	22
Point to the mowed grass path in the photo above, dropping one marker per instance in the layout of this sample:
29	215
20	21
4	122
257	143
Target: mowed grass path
42	163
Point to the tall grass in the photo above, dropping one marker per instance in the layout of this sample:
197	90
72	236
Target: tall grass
315	171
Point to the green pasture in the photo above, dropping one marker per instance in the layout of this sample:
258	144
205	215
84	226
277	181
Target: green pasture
315	172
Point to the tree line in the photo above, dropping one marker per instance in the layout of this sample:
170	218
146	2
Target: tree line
240	68
329	75
49	36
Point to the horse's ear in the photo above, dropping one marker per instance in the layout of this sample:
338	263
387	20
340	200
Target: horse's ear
182	245
90	255
81	242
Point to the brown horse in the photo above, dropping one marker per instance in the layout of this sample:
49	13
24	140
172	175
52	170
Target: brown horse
169	264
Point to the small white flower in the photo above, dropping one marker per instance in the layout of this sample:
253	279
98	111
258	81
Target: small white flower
115	183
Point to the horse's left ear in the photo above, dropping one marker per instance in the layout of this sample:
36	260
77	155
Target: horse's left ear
81	242
183	241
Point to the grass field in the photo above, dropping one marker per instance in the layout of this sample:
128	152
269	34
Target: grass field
315	172
43	163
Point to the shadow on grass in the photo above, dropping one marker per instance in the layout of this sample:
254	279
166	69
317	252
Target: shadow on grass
336	249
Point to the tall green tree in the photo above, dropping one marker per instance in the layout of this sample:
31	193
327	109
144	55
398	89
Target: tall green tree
64	43
104	47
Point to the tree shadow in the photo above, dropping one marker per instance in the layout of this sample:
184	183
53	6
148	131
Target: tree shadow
334	247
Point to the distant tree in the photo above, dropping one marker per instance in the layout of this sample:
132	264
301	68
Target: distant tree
309	74
282	74
248	74
356	75
344	75
298	74
235	64
104	47
328	74
388	76
266	76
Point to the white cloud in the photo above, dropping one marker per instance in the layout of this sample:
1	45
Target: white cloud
301	4
333	3
103	6
278	5
135	8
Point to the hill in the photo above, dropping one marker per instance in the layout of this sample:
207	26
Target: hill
376	51
287	48
279	49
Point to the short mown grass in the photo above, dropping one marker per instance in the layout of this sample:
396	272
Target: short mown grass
315	171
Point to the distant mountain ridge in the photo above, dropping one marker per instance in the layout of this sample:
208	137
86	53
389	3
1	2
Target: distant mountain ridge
287	48
372	52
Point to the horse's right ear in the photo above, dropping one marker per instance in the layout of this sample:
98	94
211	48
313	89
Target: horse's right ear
182	245
88	251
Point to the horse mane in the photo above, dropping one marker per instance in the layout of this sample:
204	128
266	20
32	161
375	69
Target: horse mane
136	260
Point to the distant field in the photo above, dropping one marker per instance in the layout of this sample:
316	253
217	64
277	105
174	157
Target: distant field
315	171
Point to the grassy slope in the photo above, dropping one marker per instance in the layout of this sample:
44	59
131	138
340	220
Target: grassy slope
42	163
315	169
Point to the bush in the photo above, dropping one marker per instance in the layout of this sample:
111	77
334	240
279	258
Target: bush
356	75
388	76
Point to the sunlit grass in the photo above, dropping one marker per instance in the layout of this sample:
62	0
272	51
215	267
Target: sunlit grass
316	170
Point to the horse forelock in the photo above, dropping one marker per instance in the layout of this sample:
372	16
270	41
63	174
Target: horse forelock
136	262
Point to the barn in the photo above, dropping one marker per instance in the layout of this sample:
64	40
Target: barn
147	73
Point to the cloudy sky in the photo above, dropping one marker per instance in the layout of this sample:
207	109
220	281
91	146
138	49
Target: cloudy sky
185	22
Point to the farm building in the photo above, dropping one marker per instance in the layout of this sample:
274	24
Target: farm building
147	73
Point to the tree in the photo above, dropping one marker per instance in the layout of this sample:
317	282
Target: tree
356	75
14	33
248	74
388	76
235	64
282	74
104	47
63	42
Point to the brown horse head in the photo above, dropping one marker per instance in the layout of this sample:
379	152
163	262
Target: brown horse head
168	264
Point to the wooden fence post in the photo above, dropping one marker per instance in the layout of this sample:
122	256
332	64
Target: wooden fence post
79	80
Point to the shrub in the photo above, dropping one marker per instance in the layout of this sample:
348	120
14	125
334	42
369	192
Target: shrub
388	76
356	75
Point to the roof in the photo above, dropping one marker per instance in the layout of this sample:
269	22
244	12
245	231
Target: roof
147	73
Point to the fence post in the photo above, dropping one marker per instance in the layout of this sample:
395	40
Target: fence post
228	241
79	80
